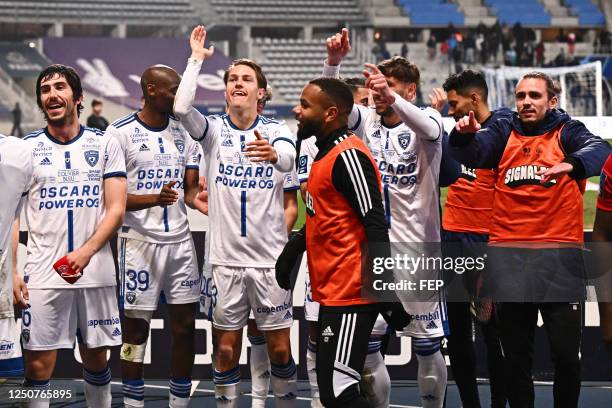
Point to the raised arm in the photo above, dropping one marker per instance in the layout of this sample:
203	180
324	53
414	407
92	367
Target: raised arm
427	124
196	124
479	148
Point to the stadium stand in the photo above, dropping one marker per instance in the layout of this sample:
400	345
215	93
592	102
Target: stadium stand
588	13
145	12
290	63
277	12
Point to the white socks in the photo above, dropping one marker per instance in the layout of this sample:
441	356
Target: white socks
260	371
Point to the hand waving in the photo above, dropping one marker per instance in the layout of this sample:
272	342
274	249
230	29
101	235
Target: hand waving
196	41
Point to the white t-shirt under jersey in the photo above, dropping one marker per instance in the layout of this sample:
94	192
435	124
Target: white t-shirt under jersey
65	204
15	179
154	157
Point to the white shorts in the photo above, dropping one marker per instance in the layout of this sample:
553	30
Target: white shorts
148	269
311	307
11	363
58	316
240	290
429	319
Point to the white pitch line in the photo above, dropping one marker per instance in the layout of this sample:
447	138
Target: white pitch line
203	390
194	385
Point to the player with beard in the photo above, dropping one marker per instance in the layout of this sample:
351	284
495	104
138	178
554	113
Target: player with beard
247	157
406	143
344	216
466	224
74	206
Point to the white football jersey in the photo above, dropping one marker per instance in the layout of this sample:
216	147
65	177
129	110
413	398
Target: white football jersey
247	221
154	157
15	179
65	204
409	167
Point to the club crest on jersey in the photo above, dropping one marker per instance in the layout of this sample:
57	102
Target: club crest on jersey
130	297
180	145
92	156
310	205
526	175
404	140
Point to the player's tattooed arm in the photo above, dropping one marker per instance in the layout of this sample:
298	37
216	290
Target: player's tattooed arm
167	196
20	290
191	183
291	208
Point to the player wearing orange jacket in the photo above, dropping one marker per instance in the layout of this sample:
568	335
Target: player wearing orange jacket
542	158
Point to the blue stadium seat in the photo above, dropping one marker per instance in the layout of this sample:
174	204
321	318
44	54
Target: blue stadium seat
588	13
526	12
432	12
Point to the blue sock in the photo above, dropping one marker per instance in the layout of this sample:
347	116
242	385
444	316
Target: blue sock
133	389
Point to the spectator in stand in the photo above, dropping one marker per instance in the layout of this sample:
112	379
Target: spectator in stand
96	120
431	47
404	50
571	44
17	131
560	59
539	51
469	46
480	45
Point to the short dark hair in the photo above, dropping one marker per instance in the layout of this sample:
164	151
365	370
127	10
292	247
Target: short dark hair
262	82
466	80
552	88
355	82
401	69
71	76
336	90
96	102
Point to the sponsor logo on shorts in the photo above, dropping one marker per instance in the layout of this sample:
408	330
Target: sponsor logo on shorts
116	332
25	335
288	315
103	322
431	325
130	297
190	283
428	316
327	333
6	347
273	309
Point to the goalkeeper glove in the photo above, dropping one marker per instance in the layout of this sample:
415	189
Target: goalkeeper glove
287	260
